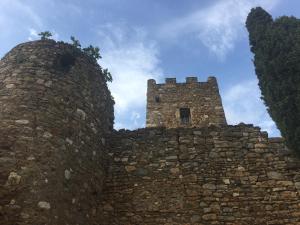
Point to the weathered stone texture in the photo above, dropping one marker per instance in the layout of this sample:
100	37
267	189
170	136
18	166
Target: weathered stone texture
60	162
230	175
55	111
202	99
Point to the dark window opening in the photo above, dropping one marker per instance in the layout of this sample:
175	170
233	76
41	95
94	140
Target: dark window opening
157	99
185	115
66	61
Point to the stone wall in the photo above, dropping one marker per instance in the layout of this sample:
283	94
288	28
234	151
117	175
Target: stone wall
61	163
230	175
201	98
55	111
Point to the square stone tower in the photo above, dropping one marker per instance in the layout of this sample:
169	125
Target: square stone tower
190	104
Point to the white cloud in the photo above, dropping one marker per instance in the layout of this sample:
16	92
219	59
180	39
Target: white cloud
33	34
217	26
15	13
132	59
16	19
135	116
242	103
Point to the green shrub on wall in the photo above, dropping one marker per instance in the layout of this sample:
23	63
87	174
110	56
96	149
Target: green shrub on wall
45	35
68	59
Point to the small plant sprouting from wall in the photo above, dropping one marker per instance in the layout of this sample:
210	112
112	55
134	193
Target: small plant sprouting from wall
67	61
94	54
92	51
75	43
45	35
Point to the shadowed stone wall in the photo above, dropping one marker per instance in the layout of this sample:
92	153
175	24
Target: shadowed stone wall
202	99
231	175
55	110
60	162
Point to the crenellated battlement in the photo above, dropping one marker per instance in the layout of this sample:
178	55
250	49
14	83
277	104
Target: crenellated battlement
189	104
188	80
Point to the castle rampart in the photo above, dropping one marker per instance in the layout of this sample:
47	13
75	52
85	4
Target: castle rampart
229	175
61	162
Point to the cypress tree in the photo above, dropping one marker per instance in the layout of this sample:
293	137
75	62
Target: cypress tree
276	48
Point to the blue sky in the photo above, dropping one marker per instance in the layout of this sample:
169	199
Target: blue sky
143	39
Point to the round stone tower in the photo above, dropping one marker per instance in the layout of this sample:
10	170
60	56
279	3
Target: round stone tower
55	113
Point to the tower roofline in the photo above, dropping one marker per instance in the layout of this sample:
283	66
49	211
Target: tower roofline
184	104
188	80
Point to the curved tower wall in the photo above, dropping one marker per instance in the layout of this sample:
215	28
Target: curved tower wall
55	112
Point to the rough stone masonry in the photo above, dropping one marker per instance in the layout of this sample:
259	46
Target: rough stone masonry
55	111
189	104
61	162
